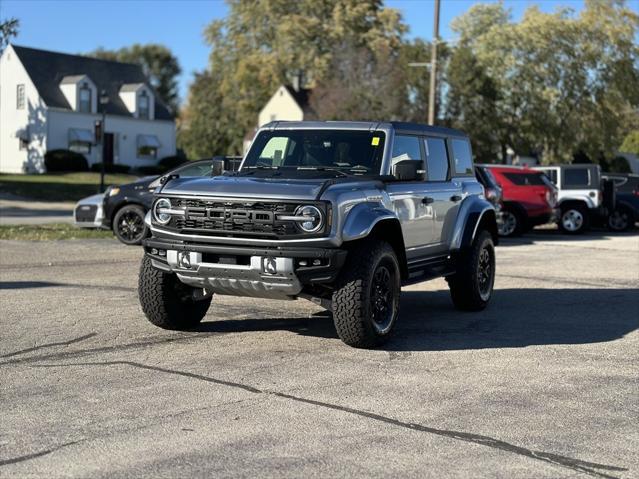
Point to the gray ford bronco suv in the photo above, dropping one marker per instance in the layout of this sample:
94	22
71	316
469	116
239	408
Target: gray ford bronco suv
339	213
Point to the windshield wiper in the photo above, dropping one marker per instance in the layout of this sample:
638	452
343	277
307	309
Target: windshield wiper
322	168
359	168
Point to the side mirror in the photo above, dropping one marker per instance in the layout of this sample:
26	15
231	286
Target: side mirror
217	167
408	170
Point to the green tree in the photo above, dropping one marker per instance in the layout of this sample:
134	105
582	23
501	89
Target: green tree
260	45
202	126
158	63
631	143
8	30
564	83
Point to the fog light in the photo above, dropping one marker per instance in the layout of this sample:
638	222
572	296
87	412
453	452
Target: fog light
269	265
154	251
317	262
184	259
162	252
303	262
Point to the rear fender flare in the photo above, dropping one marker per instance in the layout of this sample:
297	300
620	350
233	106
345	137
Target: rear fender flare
474	214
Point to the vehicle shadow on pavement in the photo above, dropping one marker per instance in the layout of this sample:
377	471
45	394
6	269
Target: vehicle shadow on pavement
320	325
548	235
515	318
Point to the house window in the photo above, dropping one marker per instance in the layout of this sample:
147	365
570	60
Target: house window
85	99
148	152
143	106
84	148
20	97
24	144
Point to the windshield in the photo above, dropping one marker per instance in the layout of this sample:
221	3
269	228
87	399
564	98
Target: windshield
332	152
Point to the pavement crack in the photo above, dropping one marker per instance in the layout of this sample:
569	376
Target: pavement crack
49	345
590	468
27	457
104	349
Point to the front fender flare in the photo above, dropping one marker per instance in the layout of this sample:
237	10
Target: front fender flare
473	212
362	218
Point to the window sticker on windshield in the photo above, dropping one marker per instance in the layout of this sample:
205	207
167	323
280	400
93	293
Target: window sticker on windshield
375	141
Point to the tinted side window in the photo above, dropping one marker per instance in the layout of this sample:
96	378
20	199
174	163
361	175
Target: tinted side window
406	148
525	179
463	159
436	159
552	174
576	177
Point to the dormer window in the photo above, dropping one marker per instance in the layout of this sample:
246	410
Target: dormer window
143	105
84	105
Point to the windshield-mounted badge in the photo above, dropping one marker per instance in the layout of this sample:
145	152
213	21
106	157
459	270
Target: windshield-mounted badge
375	141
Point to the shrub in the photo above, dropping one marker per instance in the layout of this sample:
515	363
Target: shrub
65	160
110	168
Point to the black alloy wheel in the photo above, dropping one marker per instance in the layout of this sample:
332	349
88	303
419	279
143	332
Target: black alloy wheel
128	225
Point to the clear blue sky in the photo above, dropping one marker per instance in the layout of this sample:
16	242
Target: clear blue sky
80	26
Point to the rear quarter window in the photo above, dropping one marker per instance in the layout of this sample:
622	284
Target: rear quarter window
576	177
525	179
462	157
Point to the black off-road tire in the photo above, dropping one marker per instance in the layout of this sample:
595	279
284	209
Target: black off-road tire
128	225
166	301
357	288
466	289
621	219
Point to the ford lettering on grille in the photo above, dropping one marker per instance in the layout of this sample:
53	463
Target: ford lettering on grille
263	219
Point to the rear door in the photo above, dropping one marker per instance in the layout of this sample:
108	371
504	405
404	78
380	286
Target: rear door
444	162
581	182
411	200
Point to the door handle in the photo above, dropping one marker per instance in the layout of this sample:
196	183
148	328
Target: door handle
455	198
426	200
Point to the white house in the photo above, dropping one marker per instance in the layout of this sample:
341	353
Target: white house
50	101
289	102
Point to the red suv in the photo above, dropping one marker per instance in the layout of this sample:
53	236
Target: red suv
529	199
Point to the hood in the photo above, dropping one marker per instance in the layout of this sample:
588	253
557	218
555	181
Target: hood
243	187
92	200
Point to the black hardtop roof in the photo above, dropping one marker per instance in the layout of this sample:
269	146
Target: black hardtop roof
397	126
421	129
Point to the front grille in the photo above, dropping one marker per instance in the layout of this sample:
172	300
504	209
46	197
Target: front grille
86	213
255	219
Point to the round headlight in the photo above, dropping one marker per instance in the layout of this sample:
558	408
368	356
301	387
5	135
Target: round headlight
314	220
162	217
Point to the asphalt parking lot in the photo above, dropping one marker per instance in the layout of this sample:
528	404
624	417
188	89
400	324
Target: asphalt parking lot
543	384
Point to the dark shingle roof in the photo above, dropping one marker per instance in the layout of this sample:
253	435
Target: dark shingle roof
47	69
302	97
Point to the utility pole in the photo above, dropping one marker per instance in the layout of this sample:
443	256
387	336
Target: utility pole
433	68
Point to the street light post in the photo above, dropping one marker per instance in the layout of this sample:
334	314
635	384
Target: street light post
433	68
104	101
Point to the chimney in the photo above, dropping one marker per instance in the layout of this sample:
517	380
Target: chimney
298	80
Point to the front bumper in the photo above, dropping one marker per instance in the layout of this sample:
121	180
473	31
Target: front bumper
88	216
275	272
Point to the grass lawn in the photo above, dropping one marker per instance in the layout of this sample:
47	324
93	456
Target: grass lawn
59	186
54	231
